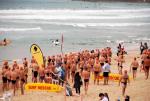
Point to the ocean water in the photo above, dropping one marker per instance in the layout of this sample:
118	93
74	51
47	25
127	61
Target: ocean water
84	25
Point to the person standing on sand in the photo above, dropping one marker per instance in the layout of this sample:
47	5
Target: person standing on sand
143	57
141	48
15	64
73	70
22	80
35	72
13	80
4	76
17	69
134	66
106	71
145	46
97	69
41	73
86	76
8	75
146	65
77	82
124	79
120	61
25	65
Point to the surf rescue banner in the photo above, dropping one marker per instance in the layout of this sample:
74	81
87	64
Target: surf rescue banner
43	87
112	76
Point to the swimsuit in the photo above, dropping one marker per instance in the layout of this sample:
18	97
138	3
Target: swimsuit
65	62
102	64
26	75
13	81
142	62
35	74
4	79
96	72
42	77
47	74
124	83
134	68
17	78
73	72
86	80
9	80
106	74
23	80
81	69
147	67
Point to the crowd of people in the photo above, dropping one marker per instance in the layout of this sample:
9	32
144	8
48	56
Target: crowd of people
76	67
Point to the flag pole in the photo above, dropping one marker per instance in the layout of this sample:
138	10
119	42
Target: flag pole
62	40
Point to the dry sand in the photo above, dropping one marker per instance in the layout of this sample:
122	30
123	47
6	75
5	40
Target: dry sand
138	90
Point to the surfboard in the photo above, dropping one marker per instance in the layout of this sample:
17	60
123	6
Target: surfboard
37	53
112	76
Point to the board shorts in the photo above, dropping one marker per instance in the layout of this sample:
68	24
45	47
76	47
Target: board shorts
35	74
106	74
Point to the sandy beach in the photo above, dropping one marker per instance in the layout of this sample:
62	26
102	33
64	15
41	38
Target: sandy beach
138	89
86	33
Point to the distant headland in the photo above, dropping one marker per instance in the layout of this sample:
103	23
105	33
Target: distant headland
142	1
